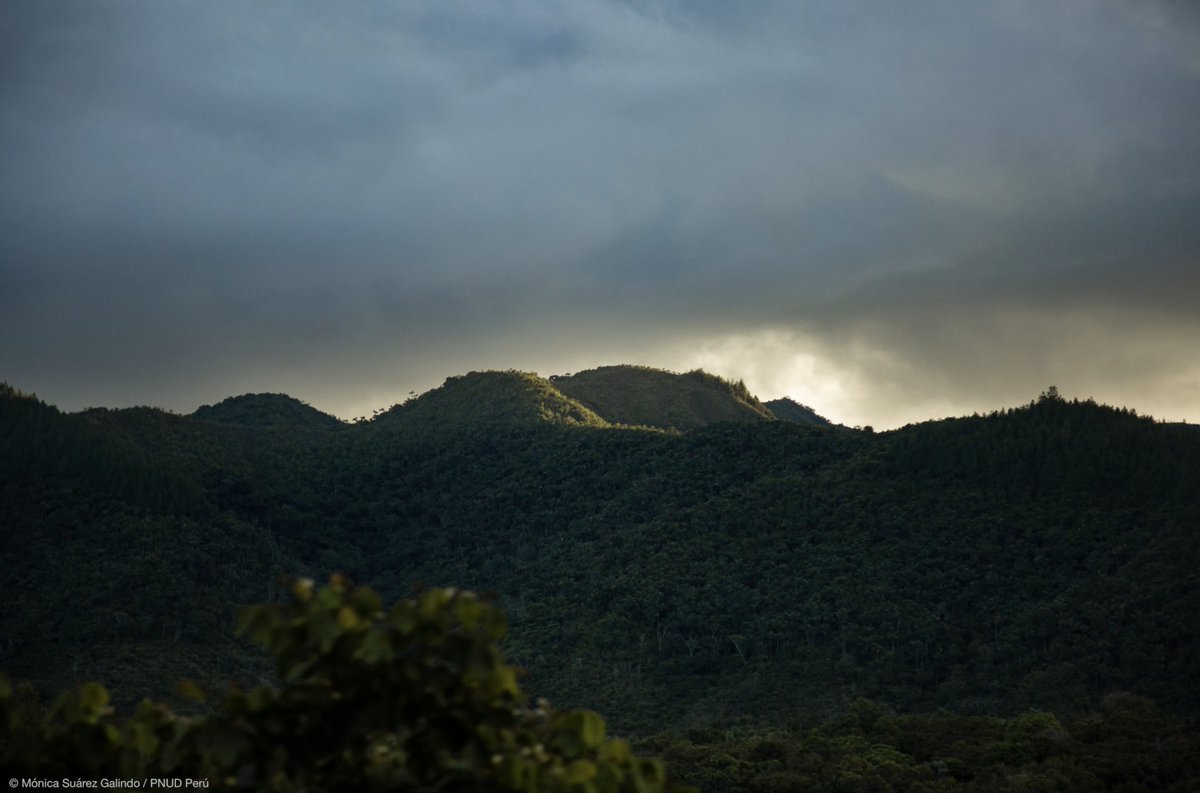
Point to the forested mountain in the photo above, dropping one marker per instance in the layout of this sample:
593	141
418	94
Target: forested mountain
641	396
265	410
484	401
786	409
743	572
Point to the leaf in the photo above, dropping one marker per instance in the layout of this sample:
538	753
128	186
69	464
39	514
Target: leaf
403	617
93	700
189	690
608	778
587	725
511	771
376	648
141	738
492	620
433	602
647	775
329	597
366	602
579	771
616	751
257	622
323	631
303	589
467	611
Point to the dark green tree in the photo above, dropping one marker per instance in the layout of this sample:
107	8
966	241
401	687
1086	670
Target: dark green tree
417	698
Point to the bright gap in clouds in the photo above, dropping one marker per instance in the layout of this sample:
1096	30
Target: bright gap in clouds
889	375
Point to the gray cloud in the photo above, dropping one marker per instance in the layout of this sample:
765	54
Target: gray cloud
931	208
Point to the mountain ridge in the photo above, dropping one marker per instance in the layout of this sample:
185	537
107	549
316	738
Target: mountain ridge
1038	557
621	394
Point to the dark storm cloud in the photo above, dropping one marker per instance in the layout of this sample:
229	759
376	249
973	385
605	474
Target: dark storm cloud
924	204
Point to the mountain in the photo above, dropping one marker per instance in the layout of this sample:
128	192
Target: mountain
786	409
267	410
489	399
741	572
117	562
641	396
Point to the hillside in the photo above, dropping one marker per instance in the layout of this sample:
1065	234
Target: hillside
786	409
740	572
266	410
117	562
641	396
479	400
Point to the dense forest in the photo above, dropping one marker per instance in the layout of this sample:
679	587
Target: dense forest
763	599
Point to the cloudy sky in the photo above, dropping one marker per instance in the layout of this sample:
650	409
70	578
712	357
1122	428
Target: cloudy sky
889	211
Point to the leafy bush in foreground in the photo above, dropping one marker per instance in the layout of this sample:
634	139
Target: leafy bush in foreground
418	698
